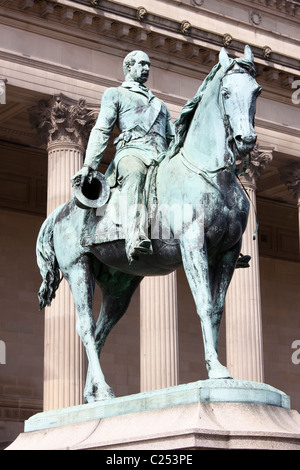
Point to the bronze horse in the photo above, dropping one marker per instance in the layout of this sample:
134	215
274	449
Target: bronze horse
214	128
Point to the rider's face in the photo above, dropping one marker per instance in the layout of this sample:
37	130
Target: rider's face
139	71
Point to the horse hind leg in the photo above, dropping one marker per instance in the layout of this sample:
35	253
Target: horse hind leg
117	289
82	281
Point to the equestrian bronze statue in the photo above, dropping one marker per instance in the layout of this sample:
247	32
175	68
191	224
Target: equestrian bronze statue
185	206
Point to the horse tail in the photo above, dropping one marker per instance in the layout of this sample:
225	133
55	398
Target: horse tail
47	262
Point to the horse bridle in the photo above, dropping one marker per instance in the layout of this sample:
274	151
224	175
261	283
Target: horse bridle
228	130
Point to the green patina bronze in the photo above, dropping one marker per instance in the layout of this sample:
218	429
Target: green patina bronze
194	178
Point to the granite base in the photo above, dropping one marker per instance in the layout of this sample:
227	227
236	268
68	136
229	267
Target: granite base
210	414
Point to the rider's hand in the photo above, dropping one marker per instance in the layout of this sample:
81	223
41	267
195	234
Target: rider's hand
81	175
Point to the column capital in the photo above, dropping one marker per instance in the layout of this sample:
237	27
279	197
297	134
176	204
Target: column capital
290	176
260	156
63	119
3	82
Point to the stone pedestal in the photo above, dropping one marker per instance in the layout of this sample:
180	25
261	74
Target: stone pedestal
209	414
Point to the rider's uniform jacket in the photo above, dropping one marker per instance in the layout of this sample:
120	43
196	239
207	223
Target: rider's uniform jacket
143	120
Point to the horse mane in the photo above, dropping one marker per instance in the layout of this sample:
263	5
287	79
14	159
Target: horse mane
187	113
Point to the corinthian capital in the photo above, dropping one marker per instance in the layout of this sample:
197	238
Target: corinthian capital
290	176
260	156
3	91
63	120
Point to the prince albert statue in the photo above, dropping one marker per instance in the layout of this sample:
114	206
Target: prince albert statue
145	129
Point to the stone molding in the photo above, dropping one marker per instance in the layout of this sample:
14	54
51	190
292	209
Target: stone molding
63	120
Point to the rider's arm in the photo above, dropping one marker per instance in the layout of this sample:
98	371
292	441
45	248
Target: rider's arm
102	130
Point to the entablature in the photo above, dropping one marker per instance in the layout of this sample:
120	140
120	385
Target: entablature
174	44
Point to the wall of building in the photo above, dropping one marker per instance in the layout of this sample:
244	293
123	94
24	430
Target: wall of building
21	323
280	316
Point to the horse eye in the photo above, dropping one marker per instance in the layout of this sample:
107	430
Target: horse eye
225	93
258	91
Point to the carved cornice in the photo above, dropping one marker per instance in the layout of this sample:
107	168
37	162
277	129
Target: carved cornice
106	22
290	176
289	7
63	120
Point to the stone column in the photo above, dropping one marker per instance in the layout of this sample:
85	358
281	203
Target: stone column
244	343
290	175
159	332
65	125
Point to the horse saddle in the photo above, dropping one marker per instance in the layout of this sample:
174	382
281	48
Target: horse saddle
108	222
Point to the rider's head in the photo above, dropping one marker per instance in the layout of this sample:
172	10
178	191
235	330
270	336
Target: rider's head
136	66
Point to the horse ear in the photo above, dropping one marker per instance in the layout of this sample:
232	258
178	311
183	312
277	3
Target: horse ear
248	54
224	59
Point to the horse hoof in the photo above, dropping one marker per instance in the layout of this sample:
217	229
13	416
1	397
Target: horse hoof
219	372
99	394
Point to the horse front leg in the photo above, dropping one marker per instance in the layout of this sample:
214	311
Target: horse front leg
81	281
195	264
220	276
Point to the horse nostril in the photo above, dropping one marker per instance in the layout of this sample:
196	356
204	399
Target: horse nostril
248	140
251	139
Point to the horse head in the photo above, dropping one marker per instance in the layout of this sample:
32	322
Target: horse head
217	124
238	93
